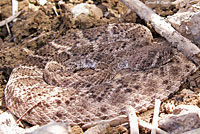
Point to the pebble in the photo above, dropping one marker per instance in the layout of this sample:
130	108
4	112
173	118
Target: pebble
98	129
187	22
87	9
87	15
184	118
52	128
8	124
77	130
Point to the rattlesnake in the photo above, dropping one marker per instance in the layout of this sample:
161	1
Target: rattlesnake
93	74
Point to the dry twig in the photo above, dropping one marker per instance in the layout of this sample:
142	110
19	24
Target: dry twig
28	111
14	8
40	36
120	120
54	9
149	126
133	120
155	116
9	19
165	29
8	29
113	122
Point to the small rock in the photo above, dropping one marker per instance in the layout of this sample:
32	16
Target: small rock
87	9
42	2
52	128
168	107
198	81
8	124
77	130
121	129
192	84
98	129
184	118
76	1
187	92
87	14
187	22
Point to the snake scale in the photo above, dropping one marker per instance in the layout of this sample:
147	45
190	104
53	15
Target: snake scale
93	74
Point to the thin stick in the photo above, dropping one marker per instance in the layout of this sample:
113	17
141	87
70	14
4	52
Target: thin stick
14	8
155	116
8	29
149	126
37	37
165	29
113	122
99	129
134	129
120	120
54	9
9	19
28	111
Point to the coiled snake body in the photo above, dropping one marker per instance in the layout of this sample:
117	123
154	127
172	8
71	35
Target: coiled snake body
94	74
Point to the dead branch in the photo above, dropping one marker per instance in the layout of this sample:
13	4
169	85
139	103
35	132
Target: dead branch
113	122
54	9
28	111
98	129
190	50
14	8
40	36
155	116
133	120
8	29
9	19
120	120
149	126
